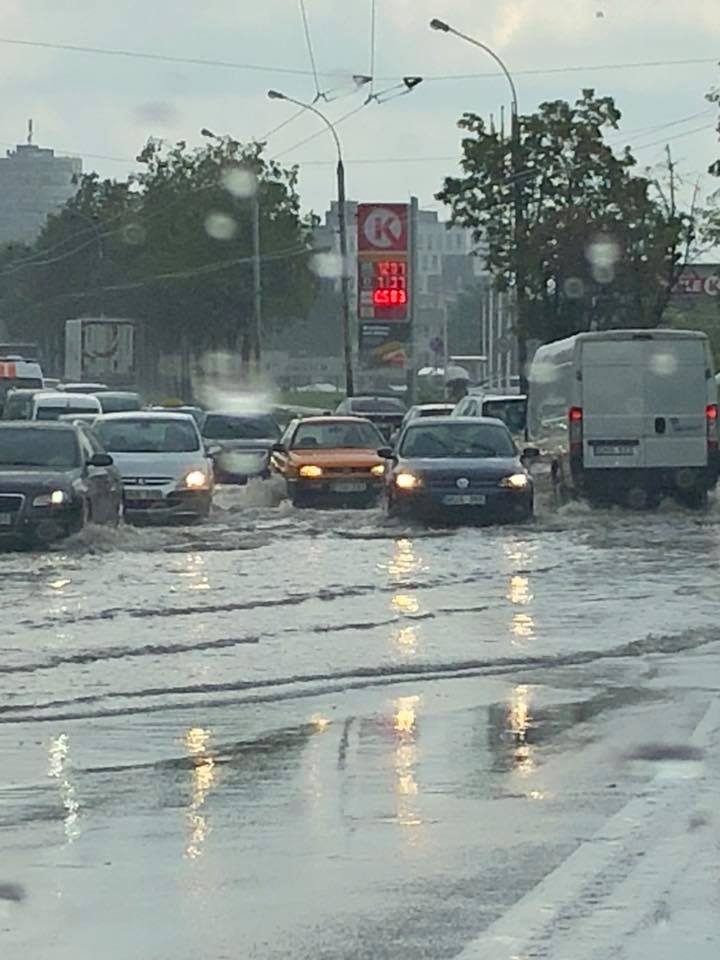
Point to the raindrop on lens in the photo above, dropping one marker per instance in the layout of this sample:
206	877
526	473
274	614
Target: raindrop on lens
133	234
240	182
328	266
220	226
574	288
663	364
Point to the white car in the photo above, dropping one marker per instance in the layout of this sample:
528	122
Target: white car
166	473
53	406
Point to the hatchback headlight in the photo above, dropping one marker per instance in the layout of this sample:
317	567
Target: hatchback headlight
54	499
197	480
517	481
407	481
311	471
378	470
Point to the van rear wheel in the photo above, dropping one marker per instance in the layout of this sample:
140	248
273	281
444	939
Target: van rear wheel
693	499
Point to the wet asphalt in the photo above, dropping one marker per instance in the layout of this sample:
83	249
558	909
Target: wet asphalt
316	734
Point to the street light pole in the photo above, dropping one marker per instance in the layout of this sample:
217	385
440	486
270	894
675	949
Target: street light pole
342	223
92	220
522	324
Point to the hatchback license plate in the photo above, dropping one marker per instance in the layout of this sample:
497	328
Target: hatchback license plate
7	519
143	494
348	487
465	500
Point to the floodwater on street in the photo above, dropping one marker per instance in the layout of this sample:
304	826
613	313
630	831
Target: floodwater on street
314	733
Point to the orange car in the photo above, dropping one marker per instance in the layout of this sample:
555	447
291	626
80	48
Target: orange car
330	458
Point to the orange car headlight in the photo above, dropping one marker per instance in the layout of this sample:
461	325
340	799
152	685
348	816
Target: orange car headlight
311	470
378	470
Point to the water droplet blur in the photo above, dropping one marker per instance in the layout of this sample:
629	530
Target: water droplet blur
133	234
327	266
156	112
603	273
220	226
663	364
240	182
574	288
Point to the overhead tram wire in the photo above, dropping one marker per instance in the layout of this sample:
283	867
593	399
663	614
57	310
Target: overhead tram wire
372	45
311	53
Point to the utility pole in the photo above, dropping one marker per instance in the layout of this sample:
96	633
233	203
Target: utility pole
413	234
257	286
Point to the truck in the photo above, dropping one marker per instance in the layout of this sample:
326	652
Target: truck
100	349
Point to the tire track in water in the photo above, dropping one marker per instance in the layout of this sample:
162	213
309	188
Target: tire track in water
315	684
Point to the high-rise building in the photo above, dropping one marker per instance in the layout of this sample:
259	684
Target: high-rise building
33	183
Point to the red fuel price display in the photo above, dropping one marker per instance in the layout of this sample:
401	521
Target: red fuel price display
390	283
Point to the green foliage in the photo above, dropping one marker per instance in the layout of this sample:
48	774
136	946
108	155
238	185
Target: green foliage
171	247
603	245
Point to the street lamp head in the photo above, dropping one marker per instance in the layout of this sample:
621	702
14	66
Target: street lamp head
436	24
412	82
361	79
276	95
208	133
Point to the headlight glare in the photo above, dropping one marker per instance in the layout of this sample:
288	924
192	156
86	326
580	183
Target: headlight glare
517	481
311	471
378	470
407	481
53	499
196	480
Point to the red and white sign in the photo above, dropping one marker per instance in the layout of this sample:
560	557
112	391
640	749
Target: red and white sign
383	227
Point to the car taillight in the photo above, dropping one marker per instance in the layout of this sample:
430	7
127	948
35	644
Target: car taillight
711	422
575	426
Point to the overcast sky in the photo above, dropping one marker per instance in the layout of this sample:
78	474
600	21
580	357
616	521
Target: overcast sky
103	108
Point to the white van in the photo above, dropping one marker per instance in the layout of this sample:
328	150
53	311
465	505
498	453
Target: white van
627	415
52	406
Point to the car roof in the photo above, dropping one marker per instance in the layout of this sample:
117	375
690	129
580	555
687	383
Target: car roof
333	418
147	415
433	406
119	393
504	396
239	414
36	425
54	398
440	421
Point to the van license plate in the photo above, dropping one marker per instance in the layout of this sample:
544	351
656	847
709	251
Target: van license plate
348	487
133	494
465	500
614	449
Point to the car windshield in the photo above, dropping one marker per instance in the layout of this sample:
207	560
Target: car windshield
148	436
38	448
118	402
465	440
219	426
54	413
435	411
512	412
377	405
340	434
18	383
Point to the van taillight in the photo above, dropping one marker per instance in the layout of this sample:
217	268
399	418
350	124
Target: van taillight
711	421
575	423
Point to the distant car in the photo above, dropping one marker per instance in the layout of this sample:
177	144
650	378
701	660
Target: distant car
239	444
330	459
427	410
160	455
54	478
17	373
19	403
83	387
118	401
50	383
510	408
464	468
51	406
386	413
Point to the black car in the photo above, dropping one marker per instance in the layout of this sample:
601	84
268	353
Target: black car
387	413
54	478
458	468
239	444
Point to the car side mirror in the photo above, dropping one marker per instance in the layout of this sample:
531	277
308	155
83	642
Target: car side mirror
100	460
530	453
279	448
387	453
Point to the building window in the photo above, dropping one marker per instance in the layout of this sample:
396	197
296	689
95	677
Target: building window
435	262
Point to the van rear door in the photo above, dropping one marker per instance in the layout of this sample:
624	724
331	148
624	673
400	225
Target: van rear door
613	405
644	402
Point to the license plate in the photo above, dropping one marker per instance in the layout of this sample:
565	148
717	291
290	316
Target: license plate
7	519
614	449
132	494
465	500
348	487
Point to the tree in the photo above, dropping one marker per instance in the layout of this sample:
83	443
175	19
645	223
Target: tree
172	247
603	245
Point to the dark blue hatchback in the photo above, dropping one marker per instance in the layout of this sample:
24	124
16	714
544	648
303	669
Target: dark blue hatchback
459	469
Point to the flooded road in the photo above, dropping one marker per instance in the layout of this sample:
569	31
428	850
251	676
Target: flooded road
317	734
